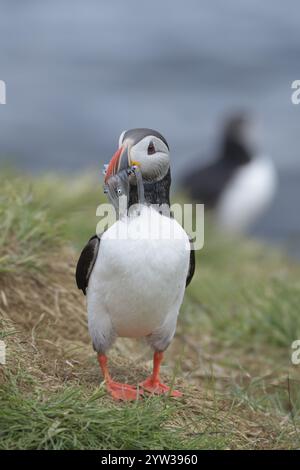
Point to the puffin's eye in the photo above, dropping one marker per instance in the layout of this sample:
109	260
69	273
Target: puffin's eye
151	148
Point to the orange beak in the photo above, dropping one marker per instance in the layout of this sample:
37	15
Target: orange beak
118	162
114	164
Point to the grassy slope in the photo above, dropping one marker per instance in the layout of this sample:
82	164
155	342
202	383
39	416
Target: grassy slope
231	354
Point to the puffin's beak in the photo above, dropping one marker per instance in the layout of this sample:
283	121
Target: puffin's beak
118	162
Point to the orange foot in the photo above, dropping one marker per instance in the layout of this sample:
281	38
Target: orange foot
124	392
158	388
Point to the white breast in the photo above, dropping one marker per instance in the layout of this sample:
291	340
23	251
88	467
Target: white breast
248	195
139	280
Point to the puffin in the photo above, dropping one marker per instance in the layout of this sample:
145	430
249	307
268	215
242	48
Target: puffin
134	274
240	182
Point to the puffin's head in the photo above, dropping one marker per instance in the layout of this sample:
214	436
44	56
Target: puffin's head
145	148
239	140
237	127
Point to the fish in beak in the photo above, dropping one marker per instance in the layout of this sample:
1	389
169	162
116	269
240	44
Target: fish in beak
119	174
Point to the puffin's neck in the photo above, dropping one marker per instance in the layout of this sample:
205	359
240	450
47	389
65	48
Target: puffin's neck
235	152
155	193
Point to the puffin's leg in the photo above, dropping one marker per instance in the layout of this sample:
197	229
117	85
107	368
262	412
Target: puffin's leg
117	390
103	336
153	384
159	340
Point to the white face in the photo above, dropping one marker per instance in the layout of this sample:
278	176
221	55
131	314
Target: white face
151	155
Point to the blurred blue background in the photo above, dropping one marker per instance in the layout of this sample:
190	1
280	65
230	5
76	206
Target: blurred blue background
78	73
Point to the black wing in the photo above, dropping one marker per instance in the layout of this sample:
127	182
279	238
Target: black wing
86	263
192	265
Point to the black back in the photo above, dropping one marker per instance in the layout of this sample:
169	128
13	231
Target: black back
205	184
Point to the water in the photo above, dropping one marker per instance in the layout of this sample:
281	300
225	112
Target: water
78	73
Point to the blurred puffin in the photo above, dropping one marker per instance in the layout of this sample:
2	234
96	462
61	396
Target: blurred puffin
239	184
135	283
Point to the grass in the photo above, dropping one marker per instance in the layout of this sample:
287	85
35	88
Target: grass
25	231
231	354
70	420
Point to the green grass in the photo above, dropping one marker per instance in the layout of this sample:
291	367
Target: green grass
72	420
26	231
239	318
248	293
